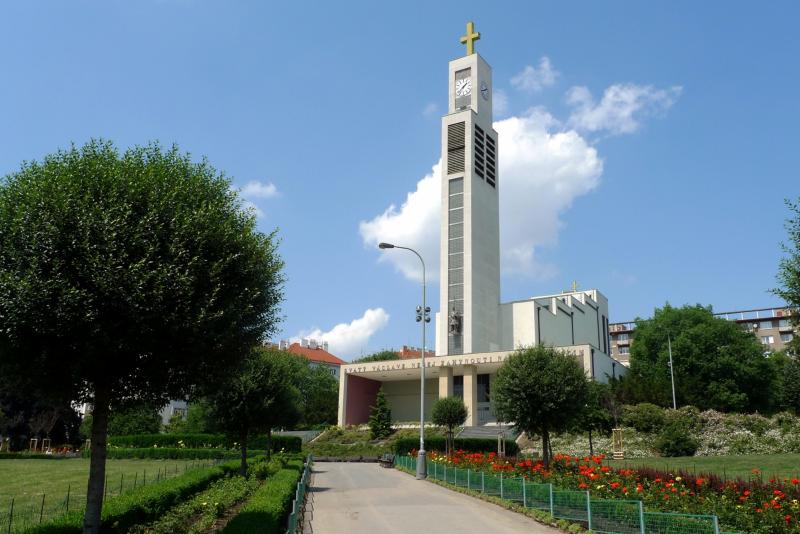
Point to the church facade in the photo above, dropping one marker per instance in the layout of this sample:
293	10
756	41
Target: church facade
475	332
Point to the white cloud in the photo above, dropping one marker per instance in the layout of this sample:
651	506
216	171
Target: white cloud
430	110
349	339
499	102
533	80
621	109
415	225
247	205
543	168
256	189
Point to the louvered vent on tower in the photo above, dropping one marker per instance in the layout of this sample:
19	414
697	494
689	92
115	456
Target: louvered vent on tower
455	148
491	161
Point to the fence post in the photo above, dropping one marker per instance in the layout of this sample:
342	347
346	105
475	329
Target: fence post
121	481
483	482
468	481
435	469
501	484
11	516
135	479
552	508
589	509
716	525
41	510
445	472
524	495
105	489
69	487
641	517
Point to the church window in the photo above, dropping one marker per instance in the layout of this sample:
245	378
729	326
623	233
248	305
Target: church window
483	388
458	386
491	165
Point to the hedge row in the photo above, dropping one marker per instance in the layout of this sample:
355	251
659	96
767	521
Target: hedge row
405	445
202	441
29	456
166	453
268	508
140	505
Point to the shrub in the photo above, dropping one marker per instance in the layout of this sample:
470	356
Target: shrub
405	445
675	440
202	441
141	504
644	417
268	507
380	418
264	470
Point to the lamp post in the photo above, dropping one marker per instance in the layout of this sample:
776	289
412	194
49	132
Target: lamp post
423	317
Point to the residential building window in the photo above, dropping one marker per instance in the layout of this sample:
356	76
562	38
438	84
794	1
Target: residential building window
624	350
623	337
786	338
783	323
767	340
765	324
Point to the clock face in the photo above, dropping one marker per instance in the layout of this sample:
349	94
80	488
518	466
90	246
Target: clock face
463	87
484	91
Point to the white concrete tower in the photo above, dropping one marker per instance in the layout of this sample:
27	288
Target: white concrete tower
470	233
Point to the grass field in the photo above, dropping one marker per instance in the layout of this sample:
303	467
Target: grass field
781	465
39	487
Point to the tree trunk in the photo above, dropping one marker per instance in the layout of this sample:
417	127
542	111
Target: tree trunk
97	463
546	448
591	448
243	446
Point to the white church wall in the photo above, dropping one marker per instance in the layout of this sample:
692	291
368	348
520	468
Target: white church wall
555	325
403	398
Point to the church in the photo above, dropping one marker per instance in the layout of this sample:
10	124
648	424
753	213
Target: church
475	332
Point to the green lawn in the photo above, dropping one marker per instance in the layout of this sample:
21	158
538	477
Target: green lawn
27	481
781	465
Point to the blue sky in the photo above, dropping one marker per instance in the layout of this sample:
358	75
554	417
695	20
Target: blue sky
648	146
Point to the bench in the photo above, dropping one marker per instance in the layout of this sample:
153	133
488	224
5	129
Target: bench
387	460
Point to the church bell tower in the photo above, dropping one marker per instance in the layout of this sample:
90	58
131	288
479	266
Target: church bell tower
470	233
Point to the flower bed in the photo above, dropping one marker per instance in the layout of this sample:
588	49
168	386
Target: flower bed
753	505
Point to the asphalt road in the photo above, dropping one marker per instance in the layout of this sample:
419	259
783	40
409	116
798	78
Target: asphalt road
356	498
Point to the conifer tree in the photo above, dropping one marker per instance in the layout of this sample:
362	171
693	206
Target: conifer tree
380	419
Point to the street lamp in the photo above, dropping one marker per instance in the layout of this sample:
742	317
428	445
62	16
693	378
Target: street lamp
423	316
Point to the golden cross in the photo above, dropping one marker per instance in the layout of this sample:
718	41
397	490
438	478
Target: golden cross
470	38
574	285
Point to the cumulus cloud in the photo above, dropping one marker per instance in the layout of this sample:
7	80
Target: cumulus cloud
622	108
349	339
415	224
256	189
533	79
543	168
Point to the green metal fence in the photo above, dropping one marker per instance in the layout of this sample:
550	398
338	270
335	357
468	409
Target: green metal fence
295	521
609	516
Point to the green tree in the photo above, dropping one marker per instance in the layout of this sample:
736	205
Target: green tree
199	417
449	412
789	271
596	417
791	385
259	396
378	356
380	418
319	392
717	364
128	278
136	419
542	390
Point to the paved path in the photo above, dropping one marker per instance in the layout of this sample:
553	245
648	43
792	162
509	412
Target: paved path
355	498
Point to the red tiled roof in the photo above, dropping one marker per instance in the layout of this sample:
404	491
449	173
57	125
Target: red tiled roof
409	353
315	355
